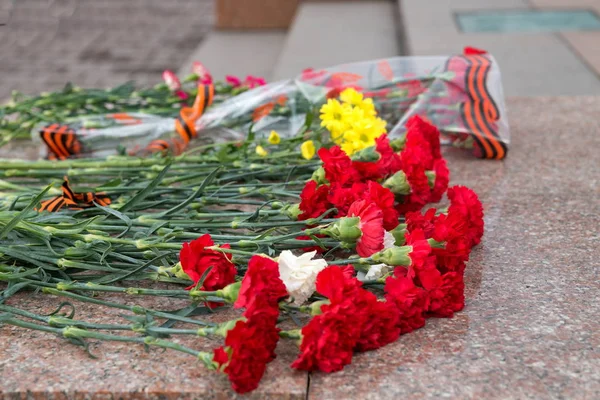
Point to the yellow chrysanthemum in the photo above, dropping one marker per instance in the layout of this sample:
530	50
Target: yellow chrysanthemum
351	96
353	123
307	149
332	115
261	151
274	138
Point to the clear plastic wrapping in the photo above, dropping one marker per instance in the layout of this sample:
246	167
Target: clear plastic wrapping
462	95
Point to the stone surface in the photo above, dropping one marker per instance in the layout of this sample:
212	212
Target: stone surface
239	53
99	43
41	365
328	33
544	64
529	328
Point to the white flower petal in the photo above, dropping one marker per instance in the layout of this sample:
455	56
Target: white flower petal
299	274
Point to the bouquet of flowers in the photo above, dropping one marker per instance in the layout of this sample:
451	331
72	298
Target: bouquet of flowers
323	238
461	95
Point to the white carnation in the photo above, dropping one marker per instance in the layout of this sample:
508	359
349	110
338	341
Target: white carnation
299	274
377	271
388	240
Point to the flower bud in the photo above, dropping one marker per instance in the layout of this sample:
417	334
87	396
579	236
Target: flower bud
399	234
430	178
398	183
230	292
292	211
368	154
319	176
398	144
394	256
346	230
315	308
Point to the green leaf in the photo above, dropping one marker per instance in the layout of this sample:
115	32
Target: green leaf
117	214
12	223
142	194
194	195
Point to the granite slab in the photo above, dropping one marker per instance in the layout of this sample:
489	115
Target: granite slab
42	365
529	329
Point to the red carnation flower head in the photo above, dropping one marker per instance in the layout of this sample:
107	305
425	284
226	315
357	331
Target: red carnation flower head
381	326
442	178
261	279
361	228
328	340
249	346
370	225
342	197
465	202
337	283
420	253
378	162
445	292
410	301
425	222
196	259
420	192
313	200
428	131
171	80
451	230
385	200
338	166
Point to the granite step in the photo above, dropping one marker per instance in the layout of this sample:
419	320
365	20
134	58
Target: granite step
238	53
327	33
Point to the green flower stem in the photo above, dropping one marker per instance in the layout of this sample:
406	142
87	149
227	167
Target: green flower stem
138	310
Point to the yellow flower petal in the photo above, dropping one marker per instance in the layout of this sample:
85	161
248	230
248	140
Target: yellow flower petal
274	138
261	151
308	149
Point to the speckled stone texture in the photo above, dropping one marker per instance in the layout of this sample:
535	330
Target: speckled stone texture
530	328
38	365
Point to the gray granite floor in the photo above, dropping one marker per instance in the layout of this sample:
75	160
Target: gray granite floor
46	43
528	331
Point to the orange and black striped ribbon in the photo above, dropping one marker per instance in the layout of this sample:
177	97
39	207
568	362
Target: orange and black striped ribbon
480	112
185	123
72	200
61	141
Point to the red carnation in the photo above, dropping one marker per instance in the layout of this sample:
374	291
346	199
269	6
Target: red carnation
420	255
389	162
445	292
328	340
343	196
420	191
442	178
262	278
313	200
425	222
371	226
410	301
381	326
195	260
338	166
337	283
384	199
429	131
251	345
465	202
